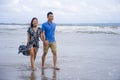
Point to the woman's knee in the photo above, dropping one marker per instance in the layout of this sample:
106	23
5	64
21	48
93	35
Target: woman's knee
35	50
31	51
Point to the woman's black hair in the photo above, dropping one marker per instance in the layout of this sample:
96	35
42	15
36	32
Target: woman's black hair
31	24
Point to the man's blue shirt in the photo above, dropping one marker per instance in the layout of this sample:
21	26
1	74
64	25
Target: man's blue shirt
49	29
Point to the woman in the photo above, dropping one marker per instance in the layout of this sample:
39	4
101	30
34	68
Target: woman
34	32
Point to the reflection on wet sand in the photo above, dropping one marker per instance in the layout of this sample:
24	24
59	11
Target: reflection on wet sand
44	77
32	77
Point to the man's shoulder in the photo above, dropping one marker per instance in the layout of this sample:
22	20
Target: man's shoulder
54	23
44	23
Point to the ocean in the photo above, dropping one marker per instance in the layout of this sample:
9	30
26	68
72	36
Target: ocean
85	52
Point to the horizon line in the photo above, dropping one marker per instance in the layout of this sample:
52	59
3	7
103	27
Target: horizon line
68	24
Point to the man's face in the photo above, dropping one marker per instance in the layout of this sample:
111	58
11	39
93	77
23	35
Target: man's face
50	17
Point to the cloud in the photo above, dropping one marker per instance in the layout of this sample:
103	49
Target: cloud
18	7
50	4
70	11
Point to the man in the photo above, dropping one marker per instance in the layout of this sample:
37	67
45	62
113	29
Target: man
48	38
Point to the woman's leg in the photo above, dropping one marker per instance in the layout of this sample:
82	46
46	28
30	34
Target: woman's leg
35	52
32	57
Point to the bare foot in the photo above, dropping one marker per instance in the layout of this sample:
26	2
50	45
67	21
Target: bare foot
33	69
56	68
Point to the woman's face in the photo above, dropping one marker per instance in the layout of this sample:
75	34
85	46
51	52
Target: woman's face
35	22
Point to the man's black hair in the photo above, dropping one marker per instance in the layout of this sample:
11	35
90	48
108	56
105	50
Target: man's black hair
49	13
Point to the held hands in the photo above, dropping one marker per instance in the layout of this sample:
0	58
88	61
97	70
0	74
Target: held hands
45	43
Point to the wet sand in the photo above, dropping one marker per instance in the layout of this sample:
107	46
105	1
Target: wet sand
81	56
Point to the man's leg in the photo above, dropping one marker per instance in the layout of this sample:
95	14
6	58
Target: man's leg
53	48
54	58
43	59
46	47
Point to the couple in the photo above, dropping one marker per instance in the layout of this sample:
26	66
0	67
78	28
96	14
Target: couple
47	35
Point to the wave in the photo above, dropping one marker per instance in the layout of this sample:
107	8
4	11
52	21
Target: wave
12	27
89	29
69	29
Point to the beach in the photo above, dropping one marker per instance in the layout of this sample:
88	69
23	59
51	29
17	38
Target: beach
84	53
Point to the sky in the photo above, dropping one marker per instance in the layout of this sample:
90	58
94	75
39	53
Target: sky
65	11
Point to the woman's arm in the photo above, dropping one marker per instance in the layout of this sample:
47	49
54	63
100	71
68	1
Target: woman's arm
42	36
28	38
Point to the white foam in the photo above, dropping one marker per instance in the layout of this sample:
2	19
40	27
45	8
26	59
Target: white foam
75	29
89	29
13	26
